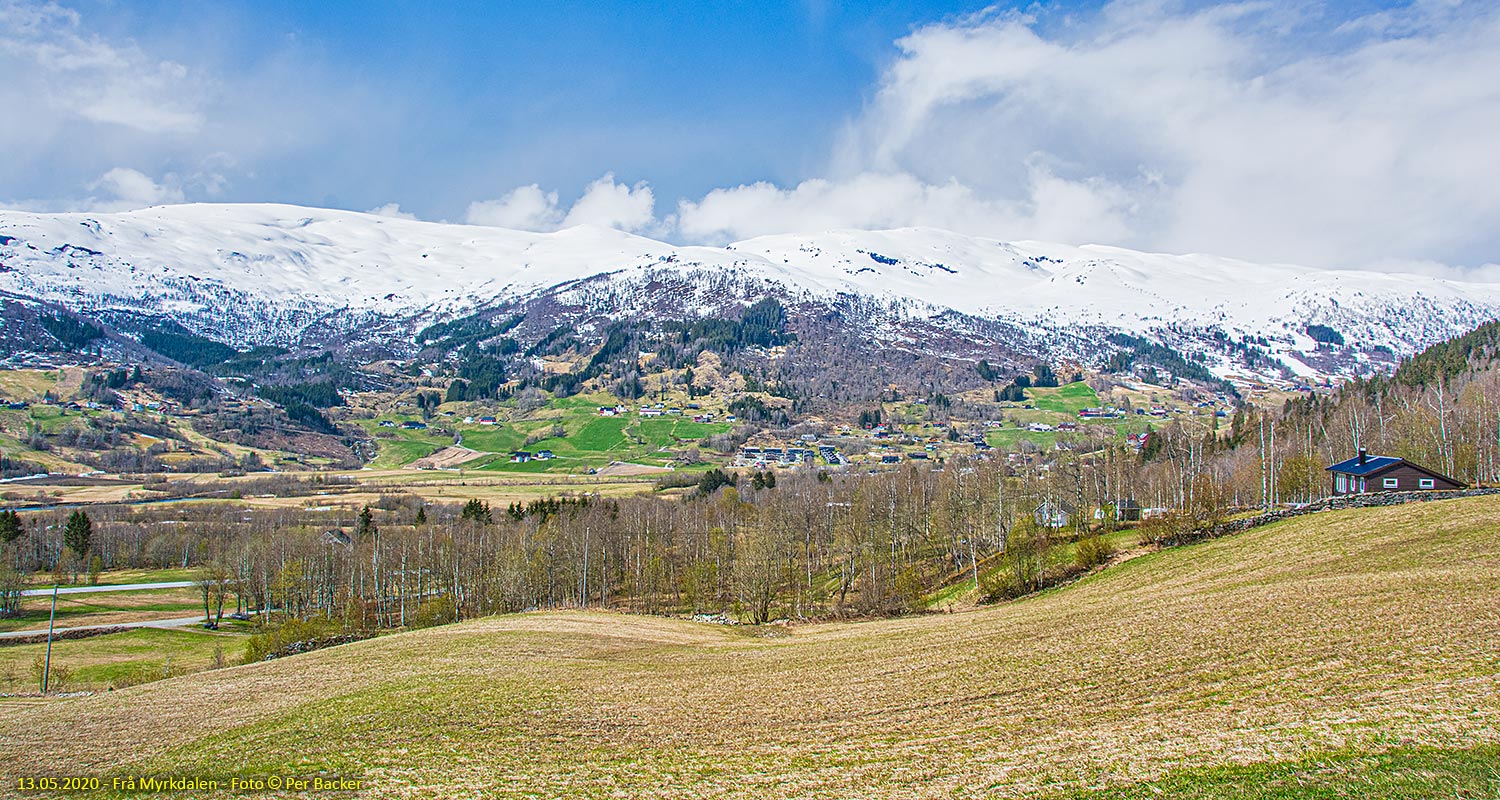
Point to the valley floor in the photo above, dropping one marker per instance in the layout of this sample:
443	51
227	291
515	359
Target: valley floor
1343	654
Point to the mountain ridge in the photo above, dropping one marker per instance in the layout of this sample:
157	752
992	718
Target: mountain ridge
254	273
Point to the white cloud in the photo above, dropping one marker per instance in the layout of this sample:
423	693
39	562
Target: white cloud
127	188
392	210
1268	130
614	205
526	208
79	101
61	75
1245	130
604	203
1054	209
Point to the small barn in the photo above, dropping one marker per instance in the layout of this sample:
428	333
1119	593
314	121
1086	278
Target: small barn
1366	473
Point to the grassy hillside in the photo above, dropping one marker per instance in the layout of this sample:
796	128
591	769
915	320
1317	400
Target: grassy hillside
587	441
1339	655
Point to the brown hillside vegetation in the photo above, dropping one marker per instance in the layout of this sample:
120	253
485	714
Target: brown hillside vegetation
1348	632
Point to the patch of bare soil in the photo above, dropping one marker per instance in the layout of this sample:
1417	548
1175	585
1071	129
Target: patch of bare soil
624	469
447	458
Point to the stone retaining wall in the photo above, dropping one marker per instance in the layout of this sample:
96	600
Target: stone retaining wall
76	633
309	645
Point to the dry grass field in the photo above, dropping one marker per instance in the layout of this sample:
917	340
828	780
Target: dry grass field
1350	654
130	657
104	608
366	486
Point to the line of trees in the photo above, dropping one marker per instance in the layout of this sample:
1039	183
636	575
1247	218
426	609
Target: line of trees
803	545
762	546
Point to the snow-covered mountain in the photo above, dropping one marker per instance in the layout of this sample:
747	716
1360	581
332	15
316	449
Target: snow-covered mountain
251	274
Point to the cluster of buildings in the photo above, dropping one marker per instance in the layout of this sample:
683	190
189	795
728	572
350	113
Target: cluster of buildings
1052	513
124	406
832	455
774	457
408	425
661	410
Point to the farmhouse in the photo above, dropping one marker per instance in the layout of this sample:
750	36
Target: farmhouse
1367	473
1054	513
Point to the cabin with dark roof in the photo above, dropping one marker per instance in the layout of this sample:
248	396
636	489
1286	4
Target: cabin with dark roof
1367	473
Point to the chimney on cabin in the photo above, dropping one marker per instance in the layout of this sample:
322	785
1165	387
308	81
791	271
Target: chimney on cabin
1364	455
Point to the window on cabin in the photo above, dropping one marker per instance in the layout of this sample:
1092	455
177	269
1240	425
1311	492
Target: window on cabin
1342	483
1427	483
1391	483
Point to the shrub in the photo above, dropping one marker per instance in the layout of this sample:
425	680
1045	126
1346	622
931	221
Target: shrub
1092	551
134	676
676	480
62	676
1176	528
1023	565
436	611
272	640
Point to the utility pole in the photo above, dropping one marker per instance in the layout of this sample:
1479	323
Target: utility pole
51	620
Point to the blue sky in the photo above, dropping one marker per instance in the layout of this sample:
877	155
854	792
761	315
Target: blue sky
1339	134
487	96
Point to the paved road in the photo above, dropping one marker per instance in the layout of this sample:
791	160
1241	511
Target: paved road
122	587
180	622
